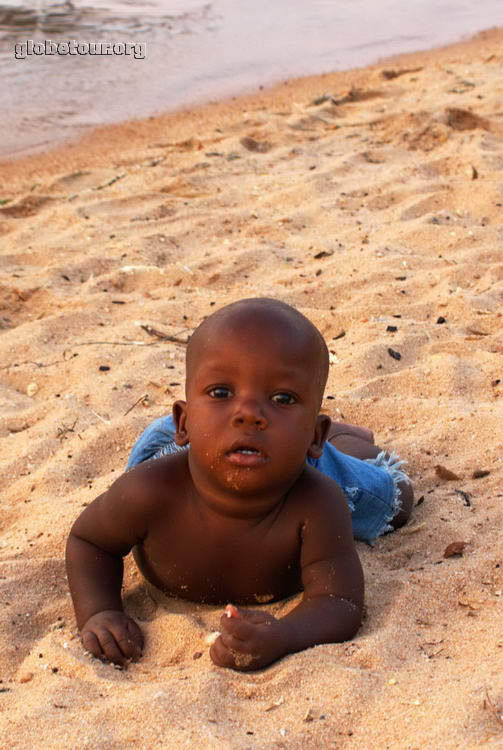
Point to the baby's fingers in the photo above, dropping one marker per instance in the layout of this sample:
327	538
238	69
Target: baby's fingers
92	644
220	654
109	646
128	637
235	643
223	656
237	627
129	640
128	648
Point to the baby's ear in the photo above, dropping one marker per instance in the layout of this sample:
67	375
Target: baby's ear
321	430
180	417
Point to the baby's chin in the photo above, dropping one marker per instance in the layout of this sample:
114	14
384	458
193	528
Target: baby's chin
247	476
247	484
252	483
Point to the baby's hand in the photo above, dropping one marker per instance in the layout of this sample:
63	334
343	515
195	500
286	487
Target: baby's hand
249	639
113	636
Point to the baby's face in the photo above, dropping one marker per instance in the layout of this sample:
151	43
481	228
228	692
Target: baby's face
252	407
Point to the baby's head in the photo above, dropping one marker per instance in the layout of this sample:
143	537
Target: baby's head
261	323
256	372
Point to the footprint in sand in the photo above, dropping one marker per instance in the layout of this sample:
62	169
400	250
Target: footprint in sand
141	207
28	206
77	182
382	202
431	204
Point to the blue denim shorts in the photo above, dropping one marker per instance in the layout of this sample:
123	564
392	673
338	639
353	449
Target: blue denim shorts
370	486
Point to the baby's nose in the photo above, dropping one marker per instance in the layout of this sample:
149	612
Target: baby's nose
249	412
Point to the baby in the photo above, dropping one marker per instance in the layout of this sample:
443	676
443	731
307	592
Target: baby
252	497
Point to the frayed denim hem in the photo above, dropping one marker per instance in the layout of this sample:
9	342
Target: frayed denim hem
168	449
392	464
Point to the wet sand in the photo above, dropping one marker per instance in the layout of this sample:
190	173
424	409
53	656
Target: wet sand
372	201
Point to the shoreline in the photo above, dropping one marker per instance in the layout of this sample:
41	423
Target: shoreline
202	53
101	140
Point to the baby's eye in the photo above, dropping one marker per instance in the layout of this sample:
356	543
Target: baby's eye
219	391
285	399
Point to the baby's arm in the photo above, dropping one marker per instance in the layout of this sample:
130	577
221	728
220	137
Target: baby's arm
101	536
331	608
332	577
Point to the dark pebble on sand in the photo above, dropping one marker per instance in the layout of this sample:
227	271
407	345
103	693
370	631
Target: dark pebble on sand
391	329
480	473
454	549
394	354
441	319
444	473
104	368
463	119
260	147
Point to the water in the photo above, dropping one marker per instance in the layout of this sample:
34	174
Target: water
196	51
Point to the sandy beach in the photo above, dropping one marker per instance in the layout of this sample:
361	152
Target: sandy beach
371	200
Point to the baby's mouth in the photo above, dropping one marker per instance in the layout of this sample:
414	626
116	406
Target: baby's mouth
246	455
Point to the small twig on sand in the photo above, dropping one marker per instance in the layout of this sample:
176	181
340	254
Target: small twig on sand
64	430
105	421
37	364
114	343
164	336
142	398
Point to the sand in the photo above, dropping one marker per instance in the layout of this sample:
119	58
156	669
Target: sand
378	206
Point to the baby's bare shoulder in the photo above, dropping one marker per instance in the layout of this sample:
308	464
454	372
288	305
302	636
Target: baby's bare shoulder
314	493
157	474
135	501
153	485
326	530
